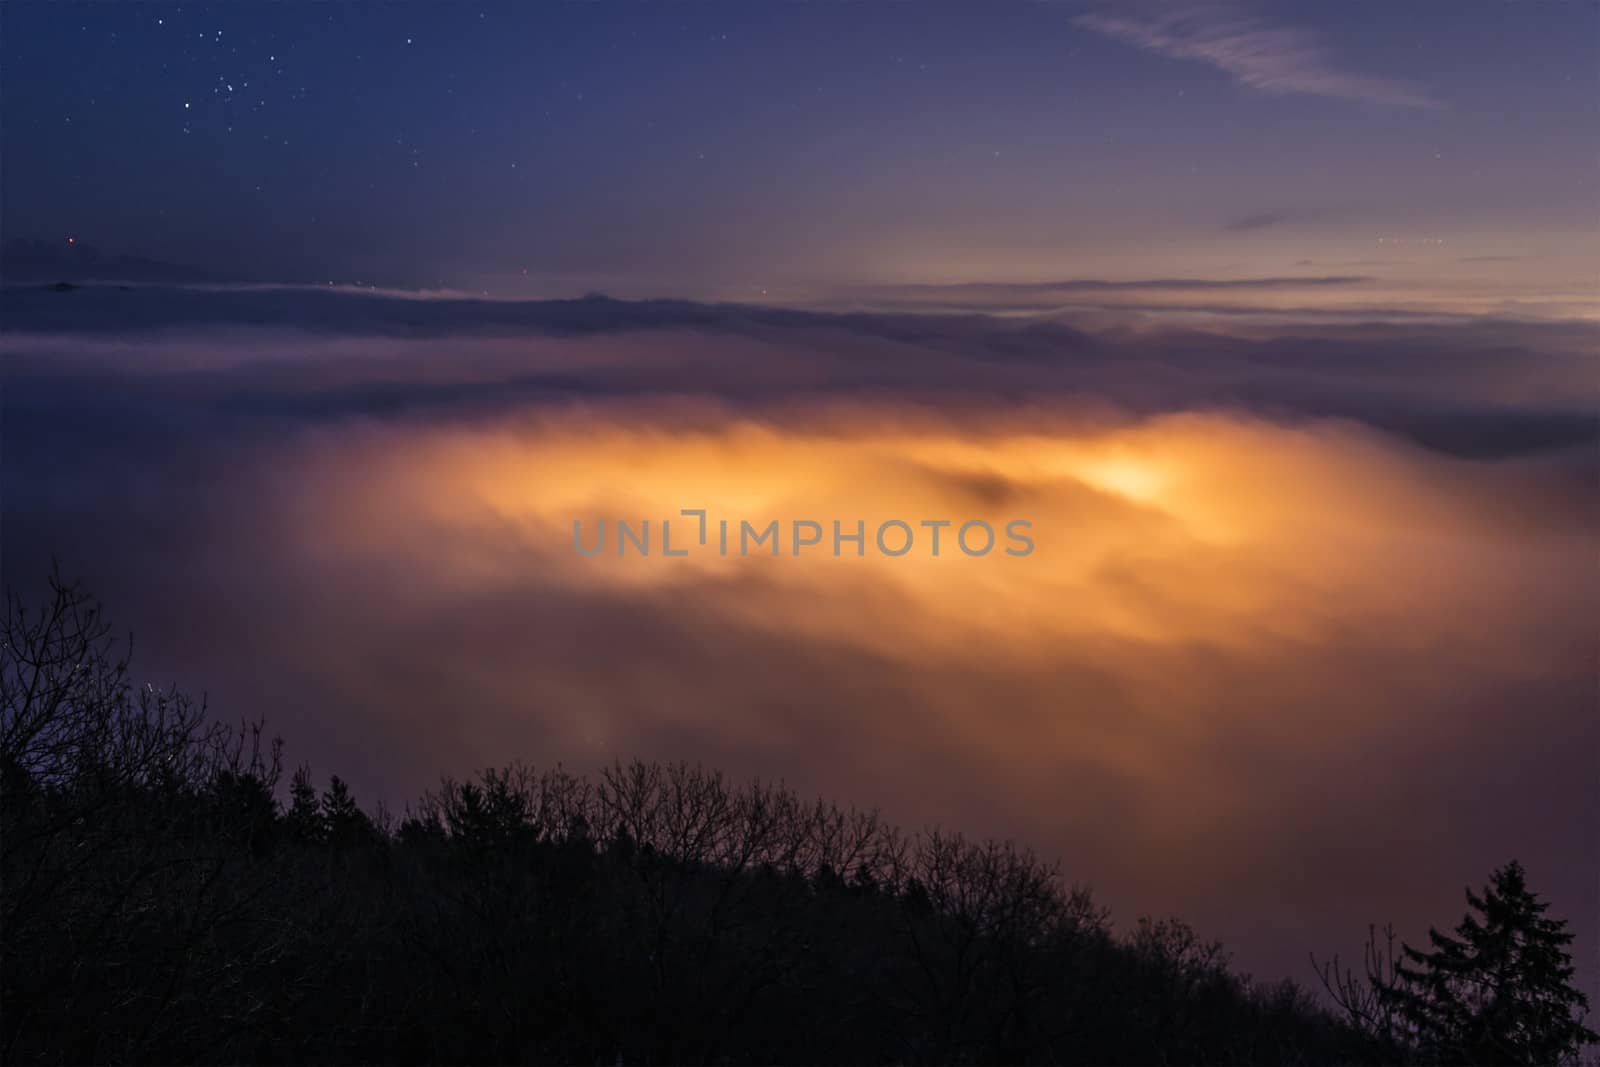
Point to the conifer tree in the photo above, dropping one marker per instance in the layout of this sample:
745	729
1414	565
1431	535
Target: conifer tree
346	823
304	817
1498	992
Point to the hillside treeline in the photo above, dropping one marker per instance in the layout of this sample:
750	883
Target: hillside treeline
165	897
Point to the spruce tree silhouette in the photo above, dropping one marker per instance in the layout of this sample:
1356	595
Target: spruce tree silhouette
303	818
1501	990
342	817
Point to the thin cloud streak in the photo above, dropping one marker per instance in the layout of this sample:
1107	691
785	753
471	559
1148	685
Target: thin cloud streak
1267	219
1271	59
1170	284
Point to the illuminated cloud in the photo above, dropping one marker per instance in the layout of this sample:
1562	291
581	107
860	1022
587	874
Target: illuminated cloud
1305	641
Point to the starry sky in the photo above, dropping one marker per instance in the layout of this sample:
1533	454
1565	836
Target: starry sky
814	152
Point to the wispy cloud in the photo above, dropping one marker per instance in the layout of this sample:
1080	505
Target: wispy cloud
1349	262
1261	221
1135	284
1056	295
1265	219
1281	60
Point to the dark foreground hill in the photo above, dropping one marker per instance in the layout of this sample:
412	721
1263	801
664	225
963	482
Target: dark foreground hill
160	904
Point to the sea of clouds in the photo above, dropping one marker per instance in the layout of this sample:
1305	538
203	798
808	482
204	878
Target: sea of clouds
1306	643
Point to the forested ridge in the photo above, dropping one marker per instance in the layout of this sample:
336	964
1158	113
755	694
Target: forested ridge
169	894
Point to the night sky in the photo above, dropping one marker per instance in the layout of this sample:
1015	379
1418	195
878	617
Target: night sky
783	152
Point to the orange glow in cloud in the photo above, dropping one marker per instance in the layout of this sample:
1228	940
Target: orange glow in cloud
1174	532
1255	673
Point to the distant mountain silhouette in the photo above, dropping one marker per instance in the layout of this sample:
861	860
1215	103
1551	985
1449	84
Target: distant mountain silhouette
23	261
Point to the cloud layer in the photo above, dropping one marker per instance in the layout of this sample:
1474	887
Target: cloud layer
1305	642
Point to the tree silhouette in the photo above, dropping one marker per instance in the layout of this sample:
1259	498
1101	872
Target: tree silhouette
158	904
1500	990
303	819
342	818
